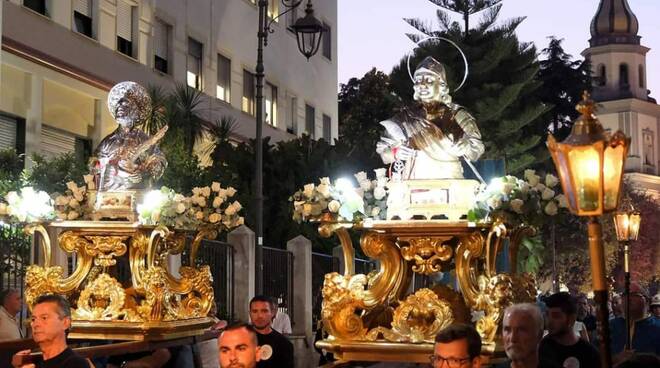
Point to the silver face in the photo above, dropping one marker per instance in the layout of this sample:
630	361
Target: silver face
129	103
429	86
126	113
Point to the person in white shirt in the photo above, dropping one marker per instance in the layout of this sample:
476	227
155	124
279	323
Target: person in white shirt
281	321
10	305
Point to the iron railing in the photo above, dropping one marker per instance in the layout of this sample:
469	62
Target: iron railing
278	278
14	259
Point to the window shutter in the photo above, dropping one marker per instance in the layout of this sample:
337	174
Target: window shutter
160	39
124	21
7	133
55	142
83	7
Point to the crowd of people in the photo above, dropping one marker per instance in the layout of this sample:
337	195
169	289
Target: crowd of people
559	331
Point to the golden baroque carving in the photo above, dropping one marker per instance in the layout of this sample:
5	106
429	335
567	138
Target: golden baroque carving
199	300
41	280
102	299
105	248
427	252
417	319
342	295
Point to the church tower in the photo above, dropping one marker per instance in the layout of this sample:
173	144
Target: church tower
618	62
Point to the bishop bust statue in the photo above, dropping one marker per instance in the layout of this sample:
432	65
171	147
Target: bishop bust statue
427	141
128	158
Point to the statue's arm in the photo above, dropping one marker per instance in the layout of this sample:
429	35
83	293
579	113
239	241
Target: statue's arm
470	144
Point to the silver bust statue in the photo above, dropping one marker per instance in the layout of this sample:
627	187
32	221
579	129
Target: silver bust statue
128	158
427	141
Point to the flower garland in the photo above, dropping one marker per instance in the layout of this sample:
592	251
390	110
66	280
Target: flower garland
26	205
342	199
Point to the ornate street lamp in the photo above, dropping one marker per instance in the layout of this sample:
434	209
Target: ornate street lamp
626	223
305	32
590	164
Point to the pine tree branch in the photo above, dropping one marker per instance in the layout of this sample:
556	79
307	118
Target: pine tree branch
420	25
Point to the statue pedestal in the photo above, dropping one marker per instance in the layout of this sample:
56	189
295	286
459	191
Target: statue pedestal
115	205
374	318
141	300
449	199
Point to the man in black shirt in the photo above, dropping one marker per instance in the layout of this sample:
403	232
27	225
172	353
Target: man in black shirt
562	347
51	318
522	331
276	350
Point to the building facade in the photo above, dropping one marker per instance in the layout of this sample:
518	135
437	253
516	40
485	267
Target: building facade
60	58
618	61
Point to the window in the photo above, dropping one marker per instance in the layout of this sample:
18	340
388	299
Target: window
125	28
310	124
327	41
624	82
327	128
247	103
194	64
8	132
292	123
37	5
161	46
224	79
82	17
602	75
291	18
641	76
270	104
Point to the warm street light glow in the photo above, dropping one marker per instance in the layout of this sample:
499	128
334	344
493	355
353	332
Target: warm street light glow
627	225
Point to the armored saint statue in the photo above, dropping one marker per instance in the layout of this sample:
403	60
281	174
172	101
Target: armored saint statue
128	158
427	141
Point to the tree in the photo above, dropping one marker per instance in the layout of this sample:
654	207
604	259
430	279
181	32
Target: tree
465	8
501	87
363	103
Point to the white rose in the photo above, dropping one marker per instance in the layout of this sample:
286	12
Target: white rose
199	215
3	209
178	198
325	180
551	208
237	206
539	187
533	180
230	210
324	189
180	208
525	187
551	180
240	221
12	197
72	215
202	202
78	196
528	174
507	188
60	215
197	191
334	206
375	211
494	202
547	194
214	217
206	192
365	185
73	203
215	186
72	186
306	209
361	176
516	205
562	201
380	173
217	201
381	182
379	193
230	192
308	190
155	216
61	200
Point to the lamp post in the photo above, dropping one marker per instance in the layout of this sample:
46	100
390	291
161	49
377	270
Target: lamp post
590	165
626	223
309	32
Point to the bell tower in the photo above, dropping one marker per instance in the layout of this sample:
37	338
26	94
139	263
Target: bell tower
618	60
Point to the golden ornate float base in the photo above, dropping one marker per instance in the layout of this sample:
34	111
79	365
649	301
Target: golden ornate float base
379	317
139	331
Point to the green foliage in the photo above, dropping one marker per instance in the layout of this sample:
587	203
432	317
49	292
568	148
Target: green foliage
501	90
52	174
11	168
183	170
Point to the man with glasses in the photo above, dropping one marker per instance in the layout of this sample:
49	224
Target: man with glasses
457	346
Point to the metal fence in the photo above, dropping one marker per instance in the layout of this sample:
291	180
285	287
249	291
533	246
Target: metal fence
278	278
364	266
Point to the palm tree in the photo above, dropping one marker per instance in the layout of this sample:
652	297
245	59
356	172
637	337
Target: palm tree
184	115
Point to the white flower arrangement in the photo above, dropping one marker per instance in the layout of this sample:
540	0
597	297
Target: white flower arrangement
342	199
206	207
73	204
27	205
526	200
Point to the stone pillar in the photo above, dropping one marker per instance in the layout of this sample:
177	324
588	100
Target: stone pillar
301	319
243	242
338	253
33	118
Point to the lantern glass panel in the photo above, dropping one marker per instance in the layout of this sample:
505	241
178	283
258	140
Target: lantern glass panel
634	222
622	226
585	166
612	168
